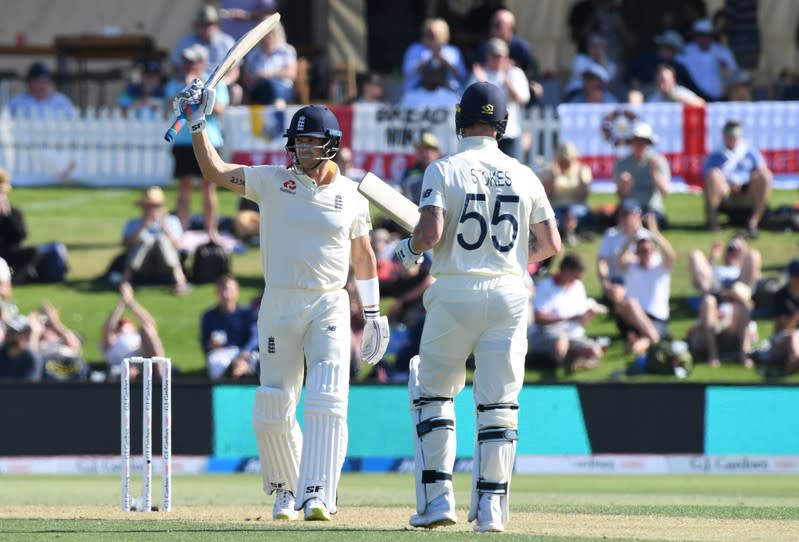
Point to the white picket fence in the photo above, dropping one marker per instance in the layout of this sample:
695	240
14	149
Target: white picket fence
103	148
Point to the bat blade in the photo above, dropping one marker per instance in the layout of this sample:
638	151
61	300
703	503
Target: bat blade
402	210
234	54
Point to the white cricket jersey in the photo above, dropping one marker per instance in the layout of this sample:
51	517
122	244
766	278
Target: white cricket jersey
489	201
306	230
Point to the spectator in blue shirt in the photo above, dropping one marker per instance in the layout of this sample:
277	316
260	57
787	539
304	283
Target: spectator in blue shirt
435	48
737	181
226	333
40	99
145	97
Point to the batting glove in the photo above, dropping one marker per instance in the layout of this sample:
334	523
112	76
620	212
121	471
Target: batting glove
406	255
194	102
375	337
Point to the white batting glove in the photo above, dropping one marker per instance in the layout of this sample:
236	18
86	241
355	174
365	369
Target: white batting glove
375	337
406	255
194	102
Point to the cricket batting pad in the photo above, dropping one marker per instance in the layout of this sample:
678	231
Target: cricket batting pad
279	438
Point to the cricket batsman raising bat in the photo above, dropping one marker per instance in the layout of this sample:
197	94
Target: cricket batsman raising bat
236	53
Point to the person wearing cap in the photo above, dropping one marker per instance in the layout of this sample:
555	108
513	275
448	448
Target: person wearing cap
22	260
737	181
597	54
427	151
611	276
594	90
40	99
486	216
186	170
432	90
498	70
567	182
433	47
144	97
643	315
123	337
785	340
151	242
644	174
270	69
707	61
667	89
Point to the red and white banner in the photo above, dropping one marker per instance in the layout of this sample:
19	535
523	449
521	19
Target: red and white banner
686	135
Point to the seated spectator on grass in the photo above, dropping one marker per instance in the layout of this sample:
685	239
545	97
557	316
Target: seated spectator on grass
226	334
724	328
60	348
644	174
567	182
781	355
711	275
40	99
23	261
562	309
270	69
642	317
151	242
667	89
737	181
433	49
19	353
427	150
146	96
123	338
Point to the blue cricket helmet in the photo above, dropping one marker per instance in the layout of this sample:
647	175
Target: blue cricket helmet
315	121
482	102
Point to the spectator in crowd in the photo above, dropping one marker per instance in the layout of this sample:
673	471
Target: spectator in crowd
739	263
40	99
151	242
644	174
270	69
435	49
562	309
370	89
708	62
19	353
226	334
594	90
567	182
346	166
739	87
123	338
427	151
241	16
5	295
724	328
195	65
611	275
737	181
642	318
21	260
740	25
785	340
597	54
60	348
667	89
145	97
642	70
512	82
217	43
432	91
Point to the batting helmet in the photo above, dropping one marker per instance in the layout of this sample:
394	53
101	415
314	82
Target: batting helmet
315	121
482	102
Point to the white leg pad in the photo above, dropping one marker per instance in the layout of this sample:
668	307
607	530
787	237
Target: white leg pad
434	441
279	438
494	453
325	420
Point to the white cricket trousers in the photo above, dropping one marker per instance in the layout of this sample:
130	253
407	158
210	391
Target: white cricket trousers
487	316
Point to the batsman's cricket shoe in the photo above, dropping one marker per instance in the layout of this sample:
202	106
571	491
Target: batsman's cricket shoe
440	513
284	506
315	510
489	514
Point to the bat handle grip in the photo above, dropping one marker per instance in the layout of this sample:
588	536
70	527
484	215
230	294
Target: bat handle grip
177	124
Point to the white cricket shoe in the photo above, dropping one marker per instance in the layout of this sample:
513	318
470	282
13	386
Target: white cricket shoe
284	506
489	514
440	513
315	510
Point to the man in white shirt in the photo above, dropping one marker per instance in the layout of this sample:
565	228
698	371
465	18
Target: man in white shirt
485	216
708	62
611	277
644	314
313	223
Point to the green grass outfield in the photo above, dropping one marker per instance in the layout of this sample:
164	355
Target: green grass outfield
90	222
730	508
